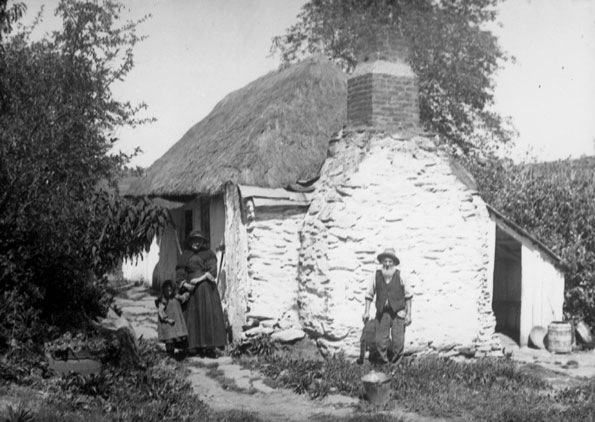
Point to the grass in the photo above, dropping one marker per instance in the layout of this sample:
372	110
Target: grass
156	392
487	389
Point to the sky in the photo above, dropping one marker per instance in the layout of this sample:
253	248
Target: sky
550	90
198	51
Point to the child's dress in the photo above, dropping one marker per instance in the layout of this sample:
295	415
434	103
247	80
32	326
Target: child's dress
170	309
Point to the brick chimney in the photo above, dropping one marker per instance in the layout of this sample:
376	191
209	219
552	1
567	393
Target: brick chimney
382	92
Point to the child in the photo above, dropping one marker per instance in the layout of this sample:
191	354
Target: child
171	327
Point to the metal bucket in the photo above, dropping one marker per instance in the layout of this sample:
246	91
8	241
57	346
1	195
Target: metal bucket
377	387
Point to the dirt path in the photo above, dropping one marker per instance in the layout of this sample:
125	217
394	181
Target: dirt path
240	389
224	385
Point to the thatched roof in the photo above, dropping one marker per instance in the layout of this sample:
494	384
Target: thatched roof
271	133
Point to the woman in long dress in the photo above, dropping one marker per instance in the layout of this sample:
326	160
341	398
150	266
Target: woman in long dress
196	274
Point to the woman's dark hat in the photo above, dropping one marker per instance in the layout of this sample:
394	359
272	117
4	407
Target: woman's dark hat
196	234
389	253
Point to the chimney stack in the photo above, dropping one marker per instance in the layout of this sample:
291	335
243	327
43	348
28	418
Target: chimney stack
382	92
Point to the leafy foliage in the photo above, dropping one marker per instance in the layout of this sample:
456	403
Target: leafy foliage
554	202
81	345
156	392
9	15
452	53
63	221
23	364
261	345
18	414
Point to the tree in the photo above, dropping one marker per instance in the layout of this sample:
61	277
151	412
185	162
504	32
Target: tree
63	223
9	15
452	54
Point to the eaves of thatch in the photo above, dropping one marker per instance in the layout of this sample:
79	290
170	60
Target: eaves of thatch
270	133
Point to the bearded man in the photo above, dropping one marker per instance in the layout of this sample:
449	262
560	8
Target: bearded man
393	307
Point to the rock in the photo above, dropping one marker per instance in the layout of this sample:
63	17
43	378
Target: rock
413	350
444	348
257	331
288	336
467	352
571	364
251	323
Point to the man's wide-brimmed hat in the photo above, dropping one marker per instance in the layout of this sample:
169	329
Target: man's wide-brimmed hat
389	253
196	234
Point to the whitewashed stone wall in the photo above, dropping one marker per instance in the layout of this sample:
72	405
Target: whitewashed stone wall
273	245
383	191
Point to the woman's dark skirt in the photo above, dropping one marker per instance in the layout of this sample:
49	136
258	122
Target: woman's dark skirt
204	318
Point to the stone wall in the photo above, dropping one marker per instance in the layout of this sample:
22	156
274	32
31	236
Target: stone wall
384	191
273	245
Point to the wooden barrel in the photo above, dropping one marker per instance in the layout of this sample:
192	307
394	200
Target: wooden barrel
559	337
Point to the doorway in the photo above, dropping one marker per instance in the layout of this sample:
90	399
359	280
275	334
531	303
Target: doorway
506	300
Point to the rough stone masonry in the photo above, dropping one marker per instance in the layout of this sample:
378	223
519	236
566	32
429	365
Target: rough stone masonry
379	191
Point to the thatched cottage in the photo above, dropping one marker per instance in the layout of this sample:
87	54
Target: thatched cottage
302	215
271	134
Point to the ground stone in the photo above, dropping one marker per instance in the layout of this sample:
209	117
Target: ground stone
287	336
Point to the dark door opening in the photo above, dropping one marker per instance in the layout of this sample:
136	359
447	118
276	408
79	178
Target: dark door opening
506	301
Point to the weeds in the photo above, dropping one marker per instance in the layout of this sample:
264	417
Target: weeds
261	345
315	378
488	389
18	414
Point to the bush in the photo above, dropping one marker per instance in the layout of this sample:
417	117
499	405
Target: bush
63	223
157	392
